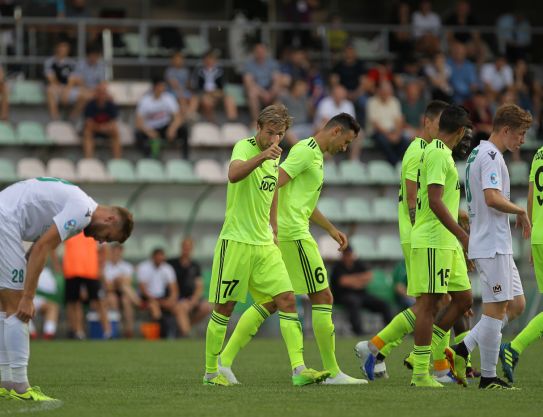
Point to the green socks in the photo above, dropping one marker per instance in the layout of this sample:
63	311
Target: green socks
528	335
291	330
216	330
421	360
248	325
325	335
403	323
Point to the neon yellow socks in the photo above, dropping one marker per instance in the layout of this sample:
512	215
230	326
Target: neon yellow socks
216	330
421	360
291	330
393	333
325	335
528	335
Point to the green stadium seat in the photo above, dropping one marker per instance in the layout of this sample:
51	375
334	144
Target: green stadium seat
212	210
27	92
331	208
205	248
364	247
121	170
179	170
150	170
7	135
381	172
7	171
353	172
152	209
382	286
152	242
32	133
132	249
357	209
385	208
237	92
389	247
179	209
519	172
331	173
195	45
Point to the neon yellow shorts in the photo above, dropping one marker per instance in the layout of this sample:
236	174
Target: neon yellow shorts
304	265
406	249
240	267
437	271
537	255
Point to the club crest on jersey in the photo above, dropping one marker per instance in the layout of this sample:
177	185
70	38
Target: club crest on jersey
492	154
497	289
494	178
269	182
70	225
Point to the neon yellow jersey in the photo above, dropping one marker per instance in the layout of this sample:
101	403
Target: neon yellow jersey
436	167
410	168
536	176
298	198
248	202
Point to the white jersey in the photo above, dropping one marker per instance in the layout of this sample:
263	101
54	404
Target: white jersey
156	279
112	271
490	232
35	204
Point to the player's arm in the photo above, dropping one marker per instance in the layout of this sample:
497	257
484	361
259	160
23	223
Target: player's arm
496	200
435	194
411	190
36	262
273	214
320	219
284	178
240	169
530	200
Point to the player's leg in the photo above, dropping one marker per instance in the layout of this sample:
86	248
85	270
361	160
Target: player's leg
6	383
50	312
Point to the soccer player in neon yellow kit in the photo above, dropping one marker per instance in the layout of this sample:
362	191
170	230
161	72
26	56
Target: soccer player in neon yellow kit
246	258
300	181
437	264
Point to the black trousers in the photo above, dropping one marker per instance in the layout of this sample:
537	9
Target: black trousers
353	301
143	142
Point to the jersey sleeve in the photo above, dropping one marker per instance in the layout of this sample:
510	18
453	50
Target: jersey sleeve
240	151
298	160
437	165
73	218
490	172
412	167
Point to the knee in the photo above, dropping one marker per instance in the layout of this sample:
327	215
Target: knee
225	309
322	297
286	302
516	307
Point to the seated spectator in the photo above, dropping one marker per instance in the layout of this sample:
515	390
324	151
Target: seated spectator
46	304
514	36
4	96
177	77
426	29
480	115
159	120
158	288
120	293
208	85
399	279
413	106
261	79
295	67
469	37
439	73
496	76
385	122
192	305
101	122
300	109
61	87
337	37
463	74
91	71
401	40
349	279
528	89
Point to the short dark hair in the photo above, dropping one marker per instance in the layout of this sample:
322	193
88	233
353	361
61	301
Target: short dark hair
345	120
127	222
93	49
435	108
157	80
452	118
156	251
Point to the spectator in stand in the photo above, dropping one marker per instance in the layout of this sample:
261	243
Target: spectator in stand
158	288
4	96
467	36
295	67
101	123
82	266
480	115
413	107
193	308
337	37
528	89
382	71
349	279
301	110
401	40
426	29
90	71
262	80
496	76
177	77
439	73
514	36
61	87
77	9
208	86
159	121
46	303
385	122
463	74
118	282
399	279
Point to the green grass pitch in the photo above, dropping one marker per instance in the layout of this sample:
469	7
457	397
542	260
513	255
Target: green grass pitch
138	378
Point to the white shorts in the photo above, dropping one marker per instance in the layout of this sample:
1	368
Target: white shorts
500	280
12	255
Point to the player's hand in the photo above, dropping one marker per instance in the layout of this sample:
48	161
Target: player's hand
469	313
25	310
340	238
469	263
463	220
464	240
524	222
274	151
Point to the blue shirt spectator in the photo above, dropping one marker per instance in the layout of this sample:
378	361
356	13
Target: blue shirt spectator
463	74
261	67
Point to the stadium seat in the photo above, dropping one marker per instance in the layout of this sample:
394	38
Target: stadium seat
150	170
180	170
7	171
126	133
353	172
382	286
357	209
30	168
151	242
132	42
210	171
137	89
328	248
381	172
212	210
519	172
195	45
237	92
7	135
121	170
132	249
32	133
61	168
151	209
205	247
388	247
119	91
91	169
331	173
364	247
179	209
385	208
62	133
232	132
331	208
27	92
205	134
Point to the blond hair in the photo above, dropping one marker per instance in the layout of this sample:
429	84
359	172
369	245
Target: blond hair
512	116
276	114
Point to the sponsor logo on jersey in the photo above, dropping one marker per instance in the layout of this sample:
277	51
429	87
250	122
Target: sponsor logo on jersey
268	183
497	289
70	225
494	178
492	154
88	213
